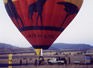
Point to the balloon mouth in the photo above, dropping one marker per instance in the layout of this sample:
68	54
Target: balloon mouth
44	47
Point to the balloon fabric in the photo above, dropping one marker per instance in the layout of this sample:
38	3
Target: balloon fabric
42	21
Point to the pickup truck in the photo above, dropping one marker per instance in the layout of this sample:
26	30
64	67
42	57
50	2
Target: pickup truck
56	61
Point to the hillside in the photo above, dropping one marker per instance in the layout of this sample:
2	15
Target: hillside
63	46
3	45
7	48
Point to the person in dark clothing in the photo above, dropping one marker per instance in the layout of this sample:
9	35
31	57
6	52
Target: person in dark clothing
20	62
36	62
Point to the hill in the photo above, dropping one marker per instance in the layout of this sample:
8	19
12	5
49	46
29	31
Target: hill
65	46
3	45
7	48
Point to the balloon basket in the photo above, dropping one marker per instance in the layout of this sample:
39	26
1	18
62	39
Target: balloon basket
40	59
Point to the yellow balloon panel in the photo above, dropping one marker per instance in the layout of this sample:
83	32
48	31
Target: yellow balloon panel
5	1
76	2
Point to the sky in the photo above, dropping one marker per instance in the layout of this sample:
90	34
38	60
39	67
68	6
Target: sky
80	30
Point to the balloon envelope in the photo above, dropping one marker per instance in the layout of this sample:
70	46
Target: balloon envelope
42	21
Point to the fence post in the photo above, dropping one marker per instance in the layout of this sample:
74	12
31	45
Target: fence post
10	60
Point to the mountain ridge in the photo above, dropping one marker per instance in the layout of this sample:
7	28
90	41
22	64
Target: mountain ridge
7	48
71	46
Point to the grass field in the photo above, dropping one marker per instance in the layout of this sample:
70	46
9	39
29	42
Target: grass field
52	66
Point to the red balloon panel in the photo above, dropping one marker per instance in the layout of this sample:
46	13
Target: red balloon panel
52	13
41	39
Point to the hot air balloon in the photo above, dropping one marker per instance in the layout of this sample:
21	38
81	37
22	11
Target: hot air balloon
42	21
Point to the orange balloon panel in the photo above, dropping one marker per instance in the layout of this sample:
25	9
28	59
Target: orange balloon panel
42	21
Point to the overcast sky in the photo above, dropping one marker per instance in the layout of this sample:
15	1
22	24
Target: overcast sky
79	31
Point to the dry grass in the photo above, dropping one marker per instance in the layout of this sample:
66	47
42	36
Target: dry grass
55	66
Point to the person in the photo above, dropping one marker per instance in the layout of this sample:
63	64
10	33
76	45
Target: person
20	62
26	61
41	60
36	62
